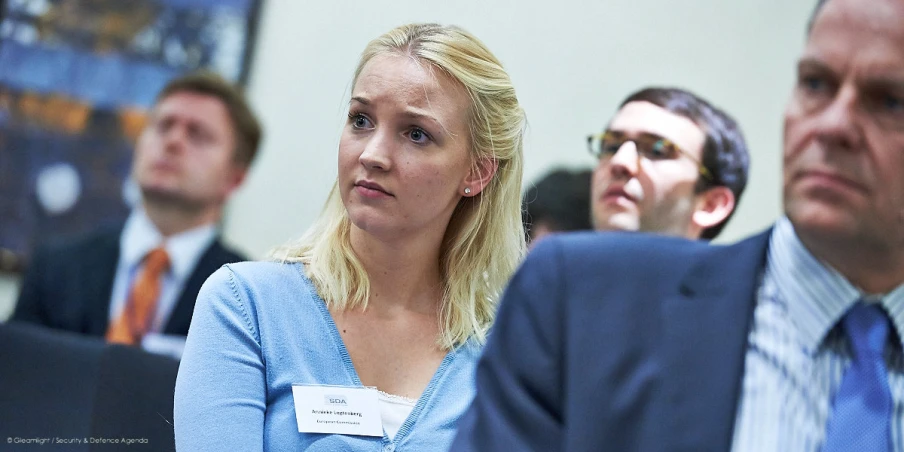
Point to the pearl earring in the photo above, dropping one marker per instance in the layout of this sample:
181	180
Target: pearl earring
467	190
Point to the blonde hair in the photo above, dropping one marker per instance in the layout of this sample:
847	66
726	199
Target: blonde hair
484	241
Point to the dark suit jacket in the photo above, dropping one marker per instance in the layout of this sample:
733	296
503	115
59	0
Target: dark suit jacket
68	285
621	342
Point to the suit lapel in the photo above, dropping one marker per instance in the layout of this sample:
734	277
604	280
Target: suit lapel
99	271
213	258
706	327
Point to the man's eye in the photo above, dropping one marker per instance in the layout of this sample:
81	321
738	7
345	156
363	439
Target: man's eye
199	136
894	104
660	150
610	146
163	125
814	84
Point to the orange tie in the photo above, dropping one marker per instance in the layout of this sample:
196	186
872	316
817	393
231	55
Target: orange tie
141	304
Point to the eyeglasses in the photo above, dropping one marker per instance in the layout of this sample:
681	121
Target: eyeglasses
649	146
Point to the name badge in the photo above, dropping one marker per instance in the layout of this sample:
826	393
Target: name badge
337	409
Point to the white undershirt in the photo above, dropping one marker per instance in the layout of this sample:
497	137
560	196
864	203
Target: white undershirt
394	410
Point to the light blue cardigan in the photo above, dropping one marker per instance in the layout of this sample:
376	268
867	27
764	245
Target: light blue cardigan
260	327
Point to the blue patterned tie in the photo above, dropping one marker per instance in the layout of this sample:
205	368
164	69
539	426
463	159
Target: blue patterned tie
861	413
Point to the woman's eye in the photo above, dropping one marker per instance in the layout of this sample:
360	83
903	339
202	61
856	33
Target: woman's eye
418	136
360	121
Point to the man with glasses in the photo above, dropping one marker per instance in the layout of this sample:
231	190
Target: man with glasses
669	163
791	340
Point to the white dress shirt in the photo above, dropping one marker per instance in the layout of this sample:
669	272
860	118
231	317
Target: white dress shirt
797	354
139	237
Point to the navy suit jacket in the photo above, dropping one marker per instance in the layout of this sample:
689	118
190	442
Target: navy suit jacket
68	285
616	341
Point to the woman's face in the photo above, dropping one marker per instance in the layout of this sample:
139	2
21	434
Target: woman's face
404	152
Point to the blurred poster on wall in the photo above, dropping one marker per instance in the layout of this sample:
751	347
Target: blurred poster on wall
76	80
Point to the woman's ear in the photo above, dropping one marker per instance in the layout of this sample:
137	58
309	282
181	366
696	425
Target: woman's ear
713	206
479	177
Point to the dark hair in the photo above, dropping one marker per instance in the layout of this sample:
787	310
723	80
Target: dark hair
561	199
724	152
816	11
246	128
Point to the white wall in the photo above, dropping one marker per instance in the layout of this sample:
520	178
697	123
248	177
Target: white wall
572	61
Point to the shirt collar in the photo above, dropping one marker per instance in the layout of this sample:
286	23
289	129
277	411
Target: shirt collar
816	294
140	236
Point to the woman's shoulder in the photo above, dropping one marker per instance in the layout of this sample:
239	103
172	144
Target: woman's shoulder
262	279
470	350
265	270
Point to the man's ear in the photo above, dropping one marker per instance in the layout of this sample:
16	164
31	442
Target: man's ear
237	174
713	206
479	177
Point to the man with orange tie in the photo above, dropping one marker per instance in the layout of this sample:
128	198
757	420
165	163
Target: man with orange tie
137	283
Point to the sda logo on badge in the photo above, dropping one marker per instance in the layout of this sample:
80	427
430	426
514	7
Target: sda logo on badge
335	400
343	410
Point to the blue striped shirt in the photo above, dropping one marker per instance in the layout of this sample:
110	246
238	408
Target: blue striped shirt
796	356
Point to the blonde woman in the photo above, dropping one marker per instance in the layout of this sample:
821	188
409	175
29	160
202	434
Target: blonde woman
365	333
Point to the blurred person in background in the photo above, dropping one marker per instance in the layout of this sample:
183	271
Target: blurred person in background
137	283
669	163
558	202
